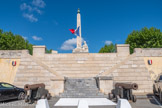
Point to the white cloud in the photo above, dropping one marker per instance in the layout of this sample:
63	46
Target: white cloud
24	6
37	10
69	44
39	3
37	38
30	17
30	9
107	42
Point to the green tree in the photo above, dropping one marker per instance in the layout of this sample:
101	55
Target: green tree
108	49
145	38
9	41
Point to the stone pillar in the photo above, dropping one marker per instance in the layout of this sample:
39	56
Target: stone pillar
123	49
105	84
39	51
57	86
79	22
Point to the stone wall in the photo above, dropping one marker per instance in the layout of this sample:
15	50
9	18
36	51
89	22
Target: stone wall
9	54
52	68
154	54
7	69
135	68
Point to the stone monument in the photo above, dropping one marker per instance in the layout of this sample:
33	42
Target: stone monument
79	48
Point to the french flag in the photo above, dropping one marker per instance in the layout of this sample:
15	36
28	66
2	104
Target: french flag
75	32
150	62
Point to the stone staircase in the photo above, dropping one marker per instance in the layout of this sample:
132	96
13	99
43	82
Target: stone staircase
81	65
31	71
81	88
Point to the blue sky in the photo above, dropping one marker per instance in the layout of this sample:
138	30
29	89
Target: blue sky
47	22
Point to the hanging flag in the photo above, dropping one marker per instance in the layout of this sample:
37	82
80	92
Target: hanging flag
150	62
76	32
72	31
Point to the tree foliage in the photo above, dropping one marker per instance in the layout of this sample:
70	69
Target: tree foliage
48	51
145	38
9	41
108	49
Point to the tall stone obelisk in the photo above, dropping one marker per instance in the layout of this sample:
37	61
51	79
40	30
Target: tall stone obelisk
79	38
79	48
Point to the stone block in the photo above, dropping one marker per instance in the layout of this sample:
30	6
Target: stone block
54	52
122	49
106	84
150	91
21	67
83	104
138	50
57	86
42	103
132	78
138	91
134	66
123	103
142	66
39	51
124	66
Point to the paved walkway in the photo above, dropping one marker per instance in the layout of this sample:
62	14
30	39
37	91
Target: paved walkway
141	103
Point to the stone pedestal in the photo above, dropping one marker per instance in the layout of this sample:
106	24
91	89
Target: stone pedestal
83	49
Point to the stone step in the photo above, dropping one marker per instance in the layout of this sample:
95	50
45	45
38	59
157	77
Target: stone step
71	96
80	68
131	78
79	58
80	65
127	74
73	75
83	93
79	72
63	55
80	90
81	62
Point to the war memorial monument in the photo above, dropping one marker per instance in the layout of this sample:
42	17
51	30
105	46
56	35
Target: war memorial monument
81	74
